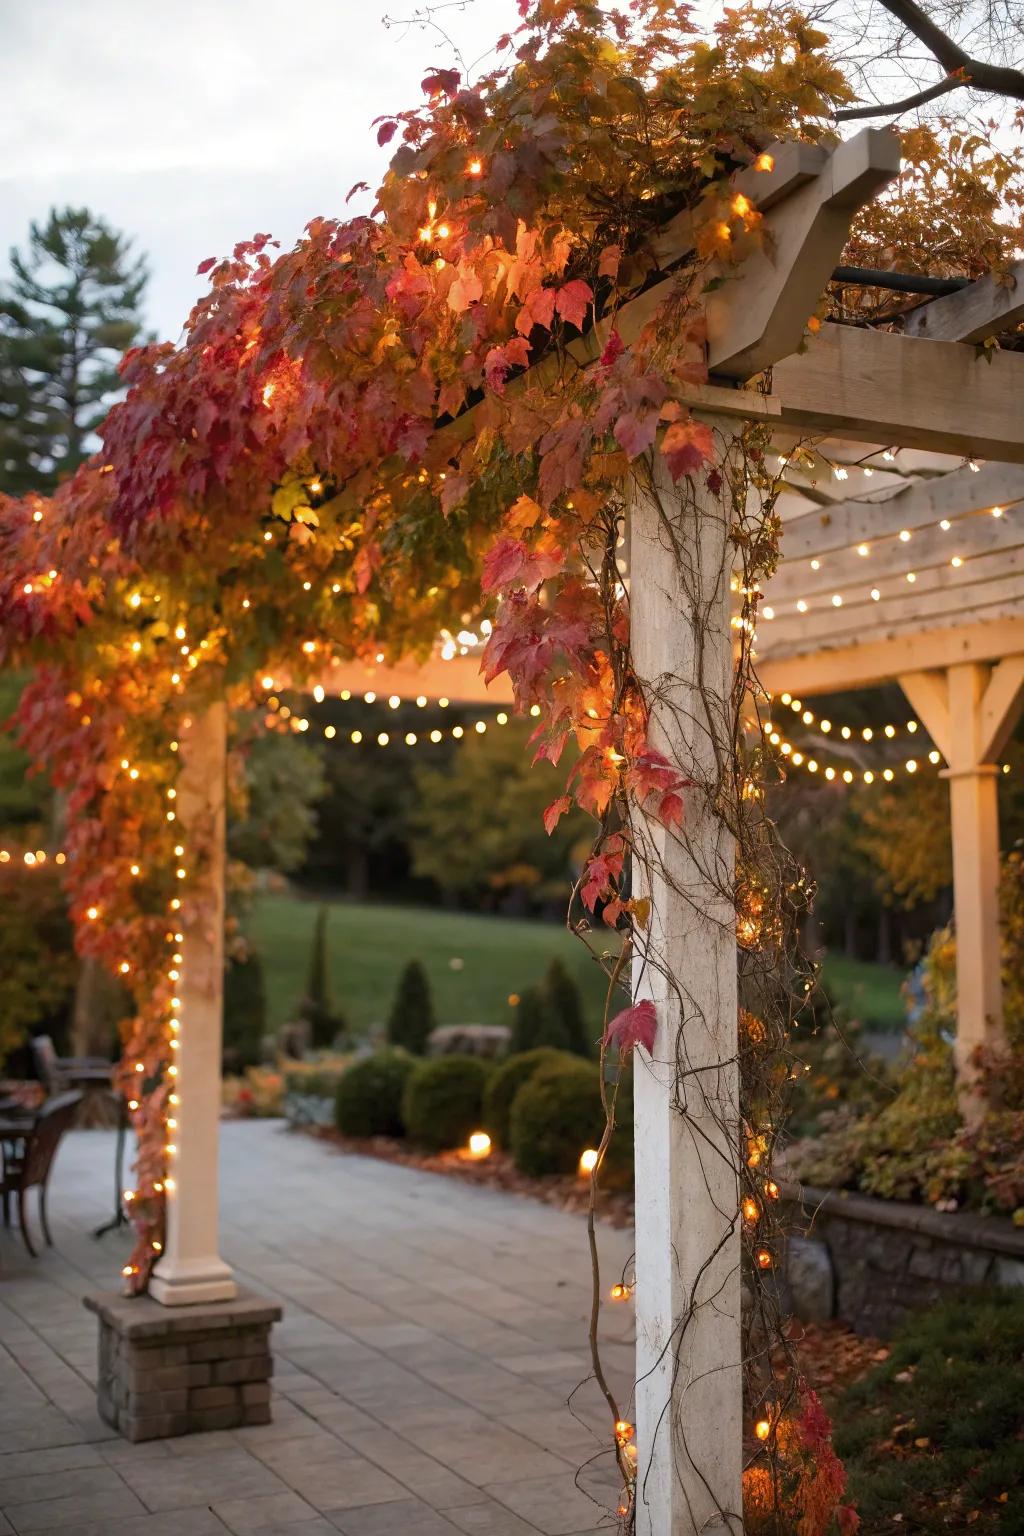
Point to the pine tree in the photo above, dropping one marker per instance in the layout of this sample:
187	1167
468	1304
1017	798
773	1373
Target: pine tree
325	1022
412	1012
71	308
566	1004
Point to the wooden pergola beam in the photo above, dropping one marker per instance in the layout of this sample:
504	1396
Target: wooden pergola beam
457	680
876	387
923	503
994	303
928	610
807	235
929	549
877	661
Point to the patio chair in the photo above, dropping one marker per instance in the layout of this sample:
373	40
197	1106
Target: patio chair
28	1155
60	1073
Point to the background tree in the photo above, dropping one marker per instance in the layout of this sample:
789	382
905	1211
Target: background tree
71	307
325	1022
492	793
565	1003
412	1013
273	816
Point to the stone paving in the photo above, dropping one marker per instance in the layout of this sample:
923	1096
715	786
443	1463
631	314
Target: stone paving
433	1332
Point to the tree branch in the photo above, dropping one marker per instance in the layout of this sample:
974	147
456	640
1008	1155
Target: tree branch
997	79
951	83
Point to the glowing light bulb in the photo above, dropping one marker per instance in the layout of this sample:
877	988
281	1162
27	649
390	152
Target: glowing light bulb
588	1160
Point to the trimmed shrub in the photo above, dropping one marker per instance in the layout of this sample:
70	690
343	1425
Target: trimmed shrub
443	1101
412	1012
368	1101
534	1023
565	1004
326	1024
507	1079
554	1116
245	1013
557	1113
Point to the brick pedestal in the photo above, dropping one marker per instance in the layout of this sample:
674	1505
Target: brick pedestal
173	1370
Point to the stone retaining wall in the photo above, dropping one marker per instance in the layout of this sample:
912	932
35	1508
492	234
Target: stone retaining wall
869	1262
167	1371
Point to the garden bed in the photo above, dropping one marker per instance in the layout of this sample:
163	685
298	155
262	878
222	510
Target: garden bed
869	1262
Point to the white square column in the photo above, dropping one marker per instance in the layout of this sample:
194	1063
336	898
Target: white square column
687	1120
190	1268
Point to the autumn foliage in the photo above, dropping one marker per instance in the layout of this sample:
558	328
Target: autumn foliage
418	417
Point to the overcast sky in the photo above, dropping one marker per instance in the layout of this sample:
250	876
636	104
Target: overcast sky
195	123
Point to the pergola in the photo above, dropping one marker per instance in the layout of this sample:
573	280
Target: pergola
956	644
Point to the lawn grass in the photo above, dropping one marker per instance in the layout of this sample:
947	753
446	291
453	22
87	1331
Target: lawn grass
369	944
933	1438
870	993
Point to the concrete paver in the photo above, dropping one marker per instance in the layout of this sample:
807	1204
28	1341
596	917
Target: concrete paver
432	1334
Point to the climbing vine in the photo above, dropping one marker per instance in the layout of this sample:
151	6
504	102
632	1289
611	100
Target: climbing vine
420	418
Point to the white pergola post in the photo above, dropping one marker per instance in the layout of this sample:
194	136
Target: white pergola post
969	711
191	1269
689	1379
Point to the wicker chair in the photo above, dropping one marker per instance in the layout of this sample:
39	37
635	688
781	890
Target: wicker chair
27	1161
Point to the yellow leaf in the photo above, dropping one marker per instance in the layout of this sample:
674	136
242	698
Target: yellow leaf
523	514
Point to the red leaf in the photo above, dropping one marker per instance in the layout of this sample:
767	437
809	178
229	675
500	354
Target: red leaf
608	261
554	813
633	1026
613	348
539	309
635	431
441	82
687	445
509	563
386	132
572	302
670	811
465	290
204	266
500	361
502	564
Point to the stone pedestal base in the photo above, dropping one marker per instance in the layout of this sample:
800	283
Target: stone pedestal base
171	1371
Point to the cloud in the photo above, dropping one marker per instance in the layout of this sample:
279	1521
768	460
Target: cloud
190	126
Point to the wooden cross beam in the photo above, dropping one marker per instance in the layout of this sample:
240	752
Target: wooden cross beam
994	303
876	387
883	659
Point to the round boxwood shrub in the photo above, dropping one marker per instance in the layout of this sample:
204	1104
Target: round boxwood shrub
443	1101
557	1113
507	1079
368	1101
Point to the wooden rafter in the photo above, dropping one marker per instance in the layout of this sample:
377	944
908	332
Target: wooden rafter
921	504
994	303
929	548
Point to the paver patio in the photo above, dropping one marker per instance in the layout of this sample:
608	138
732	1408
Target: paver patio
433	1332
